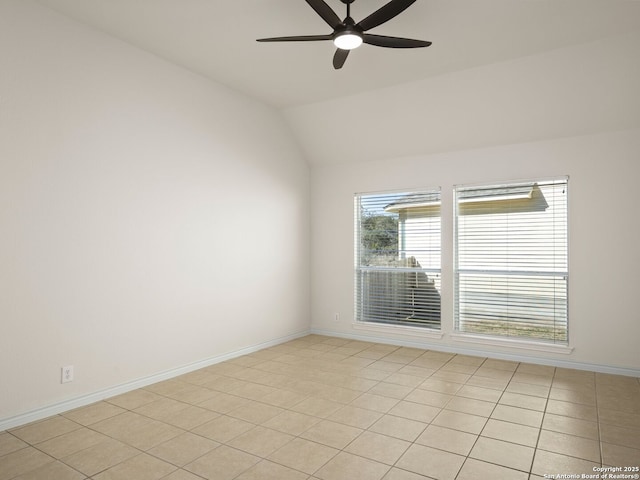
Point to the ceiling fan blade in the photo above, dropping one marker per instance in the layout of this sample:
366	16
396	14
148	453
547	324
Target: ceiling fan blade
326	12
299	38
385	13
393	42
339	58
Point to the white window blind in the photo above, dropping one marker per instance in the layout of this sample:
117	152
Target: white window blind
511	274
397	256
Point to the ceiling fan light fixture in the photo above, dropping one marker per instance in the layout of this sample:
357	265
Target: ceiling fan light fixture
347	41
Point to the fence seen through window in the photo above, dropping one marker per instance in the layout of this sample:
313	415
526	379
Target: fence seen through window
398	258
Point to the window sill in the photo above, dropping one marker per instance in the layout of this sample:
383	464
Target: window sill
389	328
508	342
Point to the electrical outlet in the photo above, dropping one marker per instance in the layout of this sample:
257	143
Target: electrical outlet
336	317
67	374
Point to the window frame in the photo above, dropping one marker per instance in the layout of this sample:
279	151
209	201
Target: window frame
360	321
458	332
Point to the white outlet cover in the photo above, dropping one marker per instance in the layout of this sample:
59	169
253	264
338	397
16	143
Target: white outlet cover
67	374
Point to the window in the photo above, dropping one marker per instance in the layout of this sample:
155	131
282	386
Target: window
397	271
511	271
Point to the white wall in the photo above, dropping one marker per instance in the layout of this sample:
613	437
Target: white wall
603	235
573	111
149	218
577	90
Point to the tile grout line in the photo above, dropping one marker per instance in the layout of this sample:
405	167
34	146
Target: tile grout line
324	377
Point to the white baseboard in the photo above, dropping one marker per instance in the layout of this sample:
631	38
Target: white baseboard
84	400
424	343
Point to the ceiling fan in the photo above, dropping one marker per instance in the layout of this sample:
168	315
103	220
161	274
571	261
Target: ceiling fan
347	34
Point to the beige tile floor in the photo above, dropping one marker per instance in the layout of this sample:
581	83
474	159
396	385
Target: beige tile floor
333	409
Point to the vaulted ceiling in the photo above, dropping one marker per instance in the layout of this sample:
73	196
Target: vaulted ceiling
498	72
216	38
